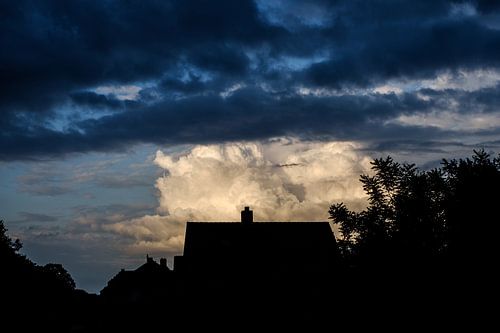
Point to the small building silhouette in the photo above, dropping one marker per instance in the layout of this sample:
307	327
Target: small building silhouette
273	249
139	285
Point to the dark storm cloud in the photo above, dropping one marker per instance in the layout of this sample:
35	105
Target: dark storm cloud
191	57
252	113
409	50
419	145
488	6
488	99
96	101
51	48
249	113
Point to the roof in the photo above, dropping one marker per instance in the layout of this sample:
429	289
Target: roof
262	243
150	267
149	275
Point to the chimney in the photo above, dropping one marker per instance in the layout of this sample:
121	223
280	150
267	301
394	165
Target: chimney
246	216
163	262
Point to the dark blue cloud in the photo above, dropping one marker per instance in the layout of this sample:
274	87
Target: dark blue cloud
249	113
230	70
488	6
409	49
96	101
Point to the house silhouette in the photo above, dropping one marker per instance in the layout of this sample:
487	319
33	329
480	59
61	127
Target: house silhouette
235	261
139	285
225	269
247	248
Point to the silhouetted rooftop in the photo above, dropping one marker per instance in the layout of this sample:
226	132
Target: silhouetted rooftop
149	275
293	245
214	238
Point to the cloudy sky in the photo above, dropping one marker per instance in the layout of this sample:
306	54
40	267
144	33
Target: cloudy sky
121	120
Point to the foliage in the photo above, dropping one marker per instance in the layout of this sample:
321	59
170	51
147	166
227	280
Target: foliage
421	216
6	243
59	274
20	270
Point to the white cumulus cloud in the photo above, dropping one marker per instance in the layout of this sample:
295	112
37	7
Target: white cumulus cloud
281	180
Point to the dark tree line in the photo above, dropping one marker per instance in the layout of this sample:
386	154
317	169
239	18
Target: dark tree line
36	297
444	216
23	271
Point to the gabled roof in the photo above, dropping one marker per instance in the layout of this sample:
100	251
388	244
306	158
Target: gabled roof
263	243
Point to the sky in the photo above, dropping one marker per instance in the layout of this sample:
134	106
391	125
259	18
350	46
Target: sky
122	120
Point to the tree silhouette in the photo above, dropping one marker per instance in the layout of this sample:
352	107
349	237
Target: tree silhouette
38	292
471	208
59	275
10	257
421	217
7	245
